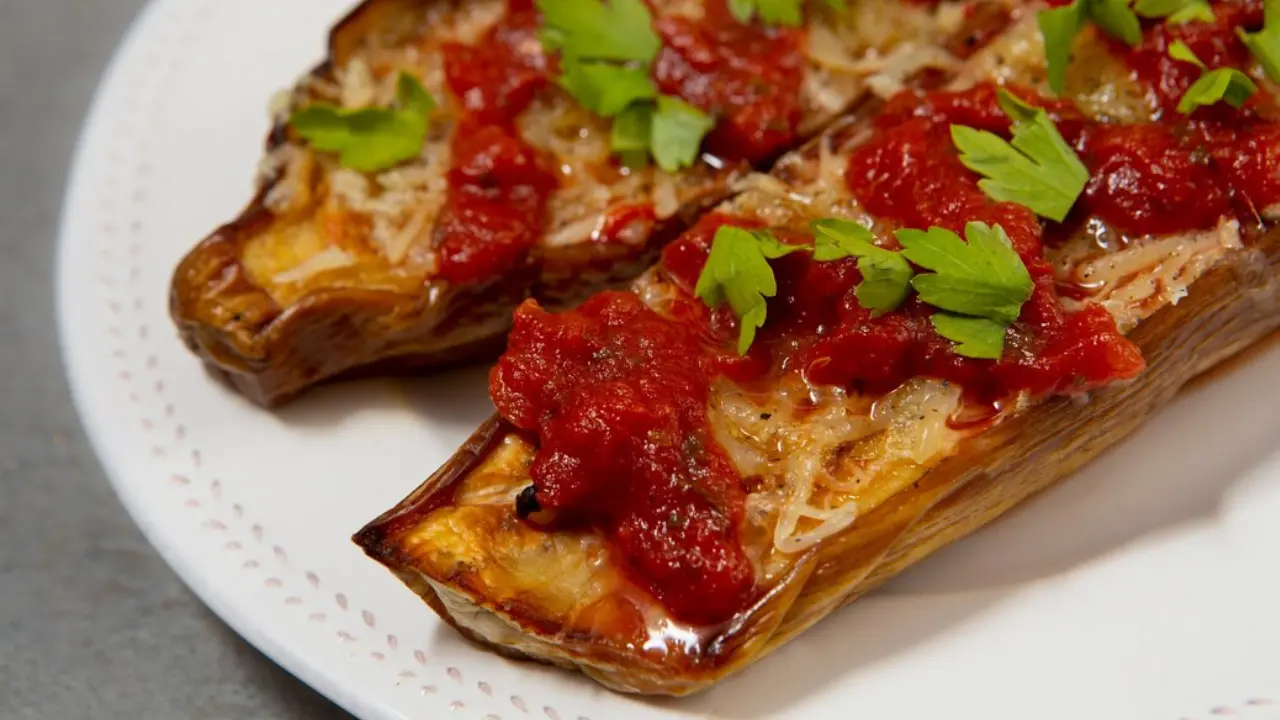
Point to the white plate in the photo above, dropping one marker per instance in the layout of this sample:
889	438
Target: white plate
1146	587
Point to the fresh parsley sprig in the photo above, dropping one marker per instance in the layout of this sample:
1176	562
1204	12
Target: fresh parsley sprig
978	287
1059	27
983	277
1224	84
606	51
738	272
1175	12
606	89
1037	168
775	12
975	337
676	132
370	139
619	30
1265	44
886	275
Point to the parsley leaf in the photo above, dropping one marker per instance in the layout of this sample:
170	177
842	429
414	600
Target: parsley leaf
981	278
606	49
677	132
776	12
978	287
975	337
1037	168
1265	44
1158	8
632	130
1196	10
886	275
1059	27
1116	19
618	30
1225	84
738	272
772	12
1176	12
370	139
606	89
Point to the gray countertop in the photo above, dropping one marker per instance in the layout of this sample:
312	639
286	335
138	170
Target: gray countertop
92	622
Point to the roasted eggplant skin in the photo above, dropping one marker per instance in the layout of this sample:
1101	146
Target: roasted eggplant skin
271	353
271	349
1228	309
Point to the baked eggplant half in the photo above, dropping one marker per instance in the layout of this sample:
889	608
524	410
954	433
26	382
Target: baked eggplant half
658	509
375	260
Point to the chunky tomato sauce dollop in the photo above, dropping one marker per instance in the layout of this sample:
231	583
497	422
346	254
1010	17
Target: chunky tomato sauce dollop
1186	172
616	393
617	396
498	184
747	77
909	174
1215	43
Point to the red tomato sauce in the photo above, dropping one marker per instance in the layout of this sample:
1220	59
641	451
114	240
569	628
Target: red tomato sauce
1215	43
747	77
1184	172
617	395
498	185
817	328
909	174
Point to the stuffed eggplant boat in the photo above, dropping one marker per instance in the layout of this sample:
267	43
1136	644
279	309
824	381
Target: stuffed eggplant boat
922	318
453	158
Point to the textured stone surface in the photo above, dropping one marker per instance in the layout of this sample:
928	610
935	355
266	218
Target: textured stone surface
92	622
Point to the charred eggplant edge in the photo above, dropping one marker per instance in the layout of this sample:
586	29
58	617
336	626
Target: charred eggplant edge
1230	308
319	338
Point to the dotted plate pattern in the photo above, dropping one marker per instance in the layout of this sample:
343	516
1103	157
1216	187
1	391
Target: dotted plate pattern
143	399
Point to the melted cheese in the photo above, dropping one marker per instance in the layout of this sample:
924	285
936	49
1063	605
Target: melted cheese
815	459
875	43
800	496
1146	273
331	258
824	455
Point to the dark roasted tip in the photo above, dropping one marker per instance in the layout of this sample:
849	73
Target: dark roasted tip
527	502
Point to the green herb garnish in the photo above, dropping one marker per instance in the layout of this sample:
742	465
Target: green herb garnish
1059	27
978	287
619	30
775	12
676	133
606	50
606	89
983	277
886	275
738	272
1225	84
1175	12
1265	44
974	337
981	285
1037	168
370	139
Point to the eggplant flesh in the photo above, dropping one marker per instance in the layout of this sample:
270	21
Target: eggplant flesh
558	596
329	273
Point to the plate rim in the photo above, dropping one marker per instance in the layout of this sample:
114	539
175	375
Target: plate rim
77	196
360	699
